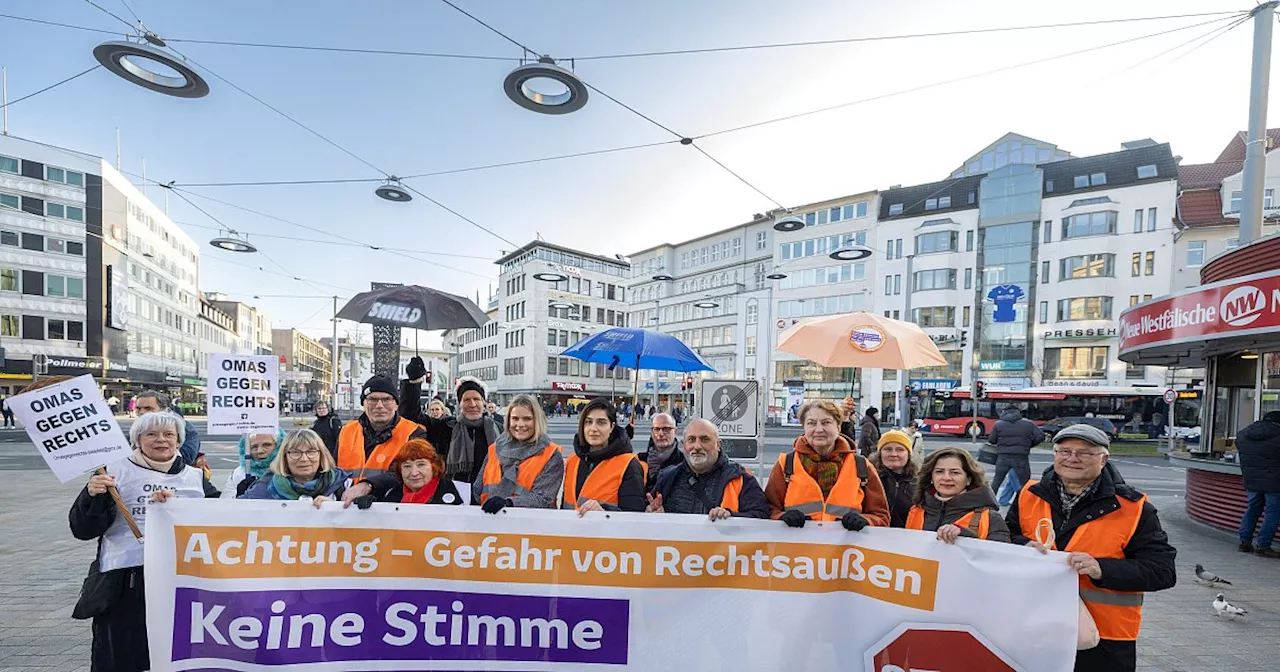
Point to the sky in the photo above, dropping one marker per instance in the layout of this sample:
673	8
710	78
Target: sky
409	115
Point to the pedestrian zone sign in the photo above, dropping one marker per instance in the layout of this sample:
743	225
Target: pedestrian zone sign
733	406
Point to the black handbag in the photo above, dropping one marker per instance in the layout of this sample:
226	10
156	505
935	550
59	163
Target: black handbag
99	592
987	454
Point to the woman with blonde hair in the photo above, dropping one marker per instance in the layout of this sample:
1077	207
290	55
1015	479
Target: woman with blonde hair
302	468
524	468
952	498
437	409
822	478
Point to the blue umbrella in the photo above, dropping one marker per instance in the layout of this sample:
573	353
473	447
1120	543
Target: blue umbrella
638	349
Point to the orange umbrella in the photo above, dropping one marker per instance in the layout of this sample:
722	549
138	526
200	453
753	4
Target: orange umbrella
861	340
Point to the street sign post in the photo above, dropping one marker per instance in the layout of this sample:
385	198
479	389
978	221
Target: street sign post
733	406
938	648
1170	396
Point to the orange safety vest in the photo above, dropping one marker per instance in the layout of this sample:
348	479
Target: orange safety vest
979	525
351	449
804	494
526	472
732	490
1117	613
602	483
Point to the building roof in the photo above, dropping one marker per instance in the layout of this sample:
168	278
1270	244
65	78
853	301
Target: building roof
913	199
1121	169
559	248
1234	151
1207	175
1199	208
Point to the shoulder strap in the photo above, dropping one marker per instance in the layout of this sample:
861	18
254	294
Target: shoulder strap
789	466
975	522
862	470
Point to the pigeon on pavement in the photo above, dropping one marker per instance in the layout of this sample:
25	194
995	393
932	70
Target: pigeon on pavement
1222	606
1209	577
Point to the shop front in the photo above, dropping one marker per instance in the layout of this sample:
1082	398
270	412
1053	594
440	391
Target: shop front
1230	326
15	374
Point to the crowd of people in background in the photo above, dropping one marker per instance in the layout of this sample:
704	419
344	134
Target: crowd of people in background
837	470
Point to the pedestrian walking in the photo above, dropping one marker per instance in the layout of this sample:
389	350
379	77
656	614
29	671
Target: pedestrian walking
1258	446
524	468
822	478
602	473
133	403
6	411
114	594
706	482
663	450
151	401
868	431
1112	537
420	478
1013	437
328	426
257	452
303	467
953	500
898	465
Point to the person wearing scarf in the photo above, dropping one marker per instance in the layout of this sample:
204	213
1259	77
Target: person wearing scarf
257	452
302	467
420	478
530	468
468	436
664	448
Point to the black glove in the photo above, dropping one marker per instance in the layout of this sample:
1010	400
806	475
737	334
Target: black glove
495	504
363	501
416	369
243	486
853	521
793	518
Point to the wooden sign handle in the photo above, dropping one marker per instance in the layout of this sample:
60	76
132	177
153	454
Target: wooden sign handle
124	511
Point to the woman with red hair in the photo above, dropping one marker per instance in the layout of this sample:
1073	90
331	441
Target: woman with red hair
420	471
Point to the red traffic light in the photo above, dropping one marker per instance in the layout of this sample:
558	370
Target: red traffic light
429	377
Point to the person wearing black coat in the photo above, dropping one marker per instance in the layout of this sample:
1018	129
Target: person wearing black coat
697	484
1084	488
463	441
663	450
1258	447
598	441
328	426
869	432
1013	437
898	466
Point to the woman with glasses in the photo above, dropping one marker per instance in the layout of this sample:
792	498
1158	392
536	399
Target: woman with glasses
302	468
257	452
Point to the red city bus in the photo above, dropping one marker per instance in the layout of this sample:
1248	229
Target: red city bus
1133	410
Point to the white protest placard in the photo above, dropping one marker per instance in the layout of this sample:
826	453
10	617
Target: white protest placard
243	394
72	426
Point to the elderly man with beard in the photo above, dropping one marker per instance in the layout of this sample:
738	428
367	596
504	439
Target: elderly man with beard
707	482
463	440
664	449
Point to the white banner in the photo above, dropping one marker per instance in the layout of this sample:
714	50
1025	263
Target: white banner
72	426
241	585
243	393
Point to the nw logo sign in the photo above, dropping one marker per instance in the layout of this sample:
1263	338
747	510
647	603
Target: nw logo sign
1242	306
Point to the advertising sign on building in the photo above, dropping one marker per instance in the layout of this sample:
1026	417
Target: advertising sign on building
1005	296
569	387
71	425
1239	307
243	393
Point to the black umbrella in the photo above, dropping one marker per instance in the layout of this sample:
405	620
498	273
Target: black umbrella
414	307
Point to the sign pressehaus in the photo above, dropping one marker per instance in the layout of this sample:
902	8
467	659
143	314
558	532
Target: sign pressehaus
1245	305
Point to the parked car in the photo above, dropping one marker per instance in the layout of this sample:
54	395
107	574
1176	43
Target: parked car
1058	424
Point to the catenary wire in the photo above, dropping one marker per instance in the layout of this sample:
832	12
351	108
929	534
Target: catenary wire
955	80
131	12
1221	32
495	31
459	215
1213	34
742	179
887	38
59	25
50	87
347	50
111	14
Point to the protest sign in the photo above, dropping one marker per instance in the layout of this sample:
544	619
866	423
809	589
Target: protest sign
262	585
71	425
243	394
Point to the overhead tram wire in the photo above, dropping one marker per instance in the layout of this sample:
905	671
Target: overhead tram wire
131	12
338	243
111	14
956	80
1212	34
60	25
349	50
497	32
50	87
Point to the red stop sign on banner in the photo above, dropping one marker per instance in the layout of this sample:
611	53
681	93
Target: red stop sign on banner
929	647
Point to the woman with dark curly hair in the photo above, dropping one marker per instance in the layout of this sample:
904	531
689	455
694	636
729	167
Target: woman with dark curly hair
953	499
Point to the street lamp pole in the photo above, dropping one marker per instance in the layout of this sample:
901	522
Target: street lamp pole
904	405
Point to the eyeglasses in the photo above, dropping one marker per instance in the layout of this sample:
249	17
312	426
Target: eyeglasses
664	429
298	454
1078	454
385	401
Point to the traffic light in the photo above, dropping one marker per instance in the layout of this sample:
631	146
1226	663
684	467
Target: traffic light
429	377
907	390
688	383
979	390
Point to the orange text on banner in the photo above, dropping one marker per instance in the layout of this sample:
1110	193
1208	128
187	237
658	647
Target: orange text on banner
234	552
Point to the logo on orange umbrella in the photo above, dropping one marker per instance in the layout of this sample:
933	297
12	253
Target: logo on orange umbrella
867	337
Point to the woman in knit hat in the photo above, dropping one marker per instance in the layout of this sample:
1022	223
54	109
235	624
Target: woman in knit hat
898	464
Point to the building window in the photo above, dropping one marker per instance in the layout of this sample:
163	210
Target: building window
1044	312
58	285
1147	172
888	285
1084	308
751	372
1047	235
1135	267
1236	197
942	278
897	284
1087	266
1232	243
8	165
10	325
931	204
1195	253
1266	198
944	201
1044	272
968	241
968	278
1133	300
762	240
895	209
1086	362
64	176
10	201
1146	297
753	312
1097	179
1150	263
65	330
1048	186
939	241
1134	371
935	316
61	211
1081	181
751	345
967	312
860	209
1151	219
1089	224
1137	220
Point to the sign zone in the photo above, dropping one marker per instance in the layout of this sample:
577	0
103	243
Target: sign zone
732	406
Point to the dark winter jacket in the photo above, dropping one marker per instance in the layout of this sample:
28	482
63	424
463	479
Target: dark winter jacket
675	459
1014	434
686	492
261	488
938	513
446	493
899	489
631	490
119	635
868	435
1148	564
439	431
190	447
1258	446
328	427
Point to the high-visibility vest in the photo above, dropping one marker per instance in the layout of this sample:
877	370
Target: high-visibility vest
602	483
804	494
732	490
1117	613
526	472
351	455
136	484
980	525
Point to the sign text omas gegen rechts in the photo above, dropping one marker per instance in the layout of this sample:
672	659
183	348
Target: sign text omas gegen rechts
242	393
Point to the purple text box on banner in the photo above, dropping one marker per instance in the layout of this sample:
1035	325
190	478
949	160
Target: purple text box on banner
279	627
